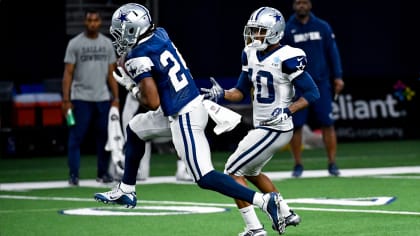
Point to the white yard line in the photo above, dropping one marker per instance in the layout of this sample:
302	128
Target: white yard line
177	206
25	186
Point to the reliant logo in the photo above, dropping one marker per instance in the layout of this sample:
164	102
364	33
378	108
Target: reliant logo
402	92
345	108
348	109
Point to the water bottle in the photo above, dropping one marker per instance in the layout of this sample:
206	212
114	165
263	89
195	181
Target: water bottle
70	118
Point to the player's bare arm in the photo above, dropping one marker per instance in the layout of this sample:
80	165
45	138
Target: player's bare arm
298	105
149	96
233	95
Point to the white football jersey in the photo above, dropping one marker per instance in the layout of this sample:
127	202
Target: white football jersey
272	81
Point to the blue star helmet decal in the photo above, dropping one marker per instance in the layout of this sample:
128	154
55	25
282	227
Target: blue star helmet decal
122	17
278	17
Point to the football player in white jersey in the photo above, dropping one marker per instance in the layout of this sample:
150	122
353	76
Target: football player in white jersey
270	71
155	72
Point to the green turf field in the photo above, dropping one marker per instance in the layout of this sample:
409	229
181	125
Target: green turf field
354	204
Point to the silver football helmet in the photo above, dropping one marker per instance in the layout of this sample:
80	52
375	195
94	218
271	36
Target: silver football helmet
265	27
129	23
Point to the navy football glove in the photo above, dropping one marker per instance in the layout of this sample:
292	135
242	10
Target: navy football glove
215	93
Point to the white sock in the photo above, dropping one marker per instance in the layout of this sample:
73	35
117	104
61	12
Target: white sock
127	188
250	217
258	199
284	208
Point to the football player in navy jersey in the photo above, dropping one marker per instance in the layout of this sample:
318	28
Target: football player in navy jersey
153	70
270	72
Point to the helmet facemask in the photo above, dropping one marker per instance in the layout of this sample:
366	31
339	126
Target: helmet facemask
256	37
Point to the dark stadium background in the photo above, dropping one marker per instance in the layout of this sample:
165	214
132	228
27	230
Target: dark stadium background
378	42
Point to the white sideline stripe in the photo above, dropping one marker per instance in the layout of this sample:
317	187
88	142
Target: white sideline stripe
358	211
24	186
195	204
365	201
349	172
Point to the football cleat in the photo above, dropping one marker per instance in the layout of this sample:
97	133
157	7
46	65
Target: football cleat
117	196
253	232
271	207
293	219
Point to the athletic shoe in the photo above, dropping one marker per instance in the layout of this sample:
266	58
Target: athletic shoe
297	170
293	219
106	178
253	232
333	169
73	180
271	207
117	196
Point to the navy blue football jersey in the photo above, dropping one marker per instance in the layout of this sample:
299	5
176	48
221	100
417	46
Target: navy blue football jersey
156	56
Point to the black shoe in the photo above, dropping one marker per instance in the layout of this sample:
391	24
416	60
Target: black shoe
106	178
333	169
297	170
73	180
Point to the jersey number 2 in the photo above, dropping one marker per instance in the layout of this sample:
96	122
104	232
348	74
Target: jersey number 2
176	71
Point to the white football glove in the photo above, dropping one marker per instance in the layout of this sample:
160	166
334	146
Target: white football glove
280	116
215	93
125	80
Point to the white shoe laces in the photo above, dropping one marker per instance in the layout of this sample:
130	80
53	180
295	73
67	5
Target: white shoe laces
114	190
